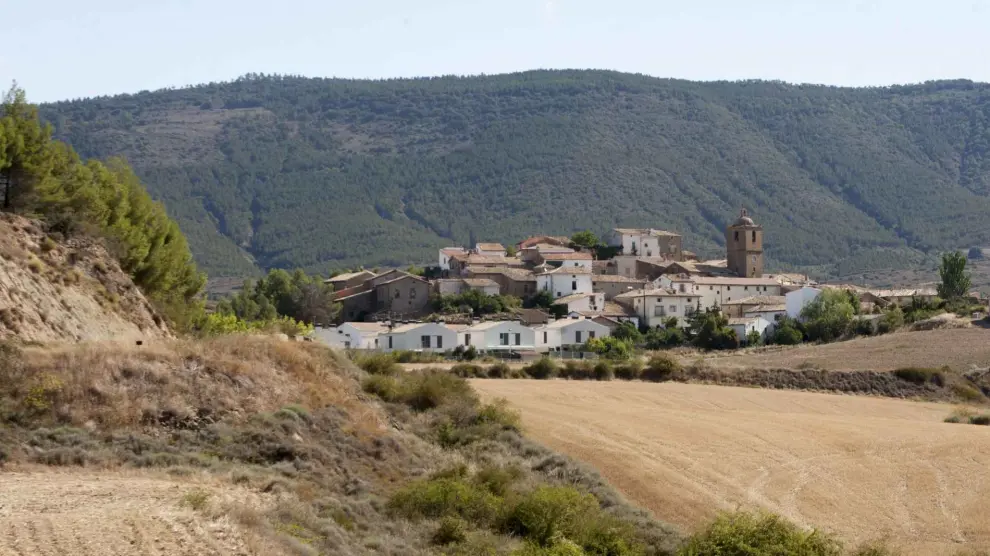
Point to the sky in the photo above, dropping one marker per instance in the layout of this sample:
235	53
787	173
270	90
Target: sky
65	49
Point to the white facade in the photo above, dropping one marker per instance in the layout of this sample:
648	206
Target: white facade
427	337
584	264
772	315
643	243
799	299
582	302
571	331
654	307
562	282
744	326
490	249
353	335
498	335
718	290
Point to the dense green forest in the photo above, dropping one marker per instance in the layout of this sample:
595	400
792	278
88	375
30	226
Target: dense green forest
283	172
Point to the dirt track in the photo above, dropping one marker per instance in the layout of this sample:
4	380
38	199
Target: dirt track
84	513
863	468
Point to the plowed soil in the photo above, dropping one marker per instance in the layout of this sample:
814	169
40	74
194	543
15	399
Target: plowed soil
862	468
97	514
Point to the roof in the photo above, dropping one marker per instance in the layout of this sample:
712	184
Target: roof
368	326
348	275
489	247
731	281
351	295
570	298
654	292
533	315
567	270
656	261
561	323
549	247
744	221
573	256
404	277
453	250
403	328
773	308
742	321
611	309
456	327
544	239
517	274
480	282
617	278
759	300
489	324
645	232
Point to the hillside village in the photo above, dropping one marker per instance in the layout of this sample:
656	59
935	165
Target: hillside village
648	279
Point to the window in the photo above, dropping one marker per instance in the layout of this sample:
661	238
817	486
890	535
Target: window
573	285
682	288
439	342
467	339
347	345
424	342
389	342
412	293
764	288
746	288
591	334
376	342
710	288
545	337
728	288
503	338
397	294
659	311
576	263
754	236
518	338
735	235
559	295
649	253
577	336
673	309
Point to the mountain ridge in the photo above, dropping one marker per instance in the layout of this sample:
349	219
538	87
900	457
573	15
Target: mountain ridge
319	173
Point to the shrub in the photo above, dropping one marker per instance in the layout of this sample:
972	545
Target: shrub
577	370
452	530
196	499
378	364
500	414
437	498
920	375
385	387
543	369
630	370
561	547
874	549
603	371
499	370
980	419
787	334
431	389
660	368
468	370
470	354
498	480
763	534
609	347
891	320
754	338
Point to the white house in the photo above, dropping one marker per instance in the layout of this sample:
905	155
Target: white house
717	290
352	335
799	299
567	260
422	336
743	326
489	249
772	313
448	252
646	242
570	331
564	281
587	302
498	335
534	253
655	306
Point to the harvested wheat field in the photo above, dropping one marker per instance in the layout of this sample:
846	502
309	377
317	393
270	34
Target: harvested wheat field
958	348
92	513
863	468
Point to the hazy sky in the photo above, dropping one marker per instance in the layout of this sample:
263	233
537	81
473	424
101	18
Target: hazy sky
58	49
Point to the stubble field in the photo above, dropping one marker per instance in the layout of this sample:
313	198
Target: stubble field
861	467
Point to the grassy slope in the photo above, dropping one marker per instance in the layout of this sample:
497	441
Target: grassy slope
317	173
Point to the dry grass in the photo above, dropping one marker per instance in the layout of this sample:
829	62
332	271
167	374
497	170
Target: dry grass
957	349
861	467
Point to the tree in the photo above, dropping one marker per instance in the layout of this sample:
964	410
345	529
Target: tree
754	338
891	320
787	333
609	347
542	299
298	296
955	280
585	240
627	331
710	330
827	318
510	251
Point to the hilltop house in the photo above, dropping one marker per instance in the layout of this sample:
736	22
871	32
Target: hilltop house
743	326
738	308
798	299
566	260
427	337
546	240
655	306
569	332
564	281
772	313
352	335
489	249
581	302
349	279
613	285
445	255
517	282
455	286
719	290
534	253
647	242
499	336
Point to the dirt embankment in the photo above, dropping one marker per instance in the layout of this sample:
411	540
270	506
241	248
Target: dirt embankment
52	290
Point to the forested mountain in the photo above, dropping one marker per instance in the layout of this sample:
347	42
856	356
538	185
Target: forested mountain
321	173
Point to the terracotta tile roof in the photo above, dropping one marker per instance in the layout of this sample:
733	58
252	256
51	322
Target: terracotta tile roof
453	250
573	256
490	247
617	278
758	300
654	292
919	292
348	275
567	270
768	308
733	281
571	298
552	247
480	282
517	274
535	240
645	232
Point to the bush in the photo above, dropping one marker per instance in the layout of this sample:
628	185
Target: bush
499	370
609	347
498	480
874	549
385	387
378	364
920	375
468	370
763	534
437	498
980	419
891	320
452	530
577	370
543	369
661	338
470	354
754	338
500	414
603	371
431	389
660	368
787	334
630	370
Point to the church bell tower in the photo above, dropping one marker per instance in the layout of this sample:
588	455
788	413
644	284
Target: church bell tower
744	247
